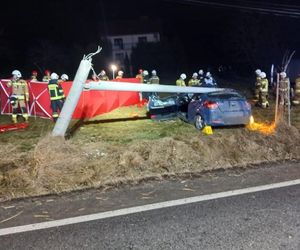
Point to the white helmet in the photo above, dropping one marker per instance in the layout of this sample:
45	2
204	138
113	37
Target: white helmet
54	76
16	73
102	73
120	72
154	72
183	76
263	75
208	74
283	74
258	72
195	75
64	77
145	73
201	72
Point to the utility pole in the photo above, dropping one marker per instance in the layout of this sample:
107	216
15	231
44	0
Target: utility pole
67	111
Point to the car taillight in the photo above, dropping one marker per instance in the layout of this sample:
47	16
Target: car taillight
210	105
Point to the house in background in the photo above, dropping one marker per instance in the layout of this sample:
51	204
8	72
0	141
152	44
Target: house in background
125	35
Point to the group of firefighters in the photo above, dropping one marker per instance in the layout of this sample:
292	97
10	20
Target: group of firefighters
287	94
20	92
197	79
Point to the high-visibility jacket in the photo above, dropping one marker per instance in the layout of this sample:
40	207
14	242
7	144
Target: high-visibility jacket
283	84
19	89
194	82
46	78
180	82
154	80
55	90
297	85
104	78
264	85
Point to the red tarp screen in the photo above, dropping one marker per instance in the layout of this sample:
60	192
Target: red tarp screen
91	102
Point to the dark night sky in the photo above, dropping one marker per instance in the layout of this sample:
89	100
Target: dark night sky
207	34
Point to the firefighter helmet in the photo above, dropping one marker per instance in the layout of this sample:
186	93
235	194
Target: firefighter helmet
183	76
64	77
258	72
34	73
16	73
283	74
263	75
153	72
145	72
140	71
54	76
47	72
195	75
102	73
120	73
201	72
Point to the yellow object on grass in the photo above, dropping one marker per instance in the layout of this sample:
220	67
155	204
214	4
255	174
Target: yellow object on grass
207	130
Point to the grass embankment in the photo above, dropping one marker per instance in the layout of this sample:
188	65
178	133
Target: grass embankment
124	147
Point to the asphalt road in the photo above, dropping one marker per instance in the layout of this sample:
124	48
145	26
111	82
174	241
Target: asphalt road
260	220
263	220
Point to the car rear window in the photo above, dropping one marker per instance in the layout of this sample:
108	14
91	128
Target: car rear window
225	95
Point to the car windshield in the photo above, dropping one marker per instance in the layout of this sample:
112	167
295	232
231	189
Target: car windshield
225	95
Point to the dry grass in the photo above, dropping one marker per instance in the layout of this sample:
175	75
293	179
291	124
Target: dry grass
110	151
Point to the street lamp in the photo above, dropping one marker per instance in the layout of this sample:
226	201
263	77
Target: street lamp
113	68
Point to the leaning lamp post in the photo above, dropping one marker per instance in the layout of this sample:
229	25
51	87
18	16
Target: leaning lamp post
113	68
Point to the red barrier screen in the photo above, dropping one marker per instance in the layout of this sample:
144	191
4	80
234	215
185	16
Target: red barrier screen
91	102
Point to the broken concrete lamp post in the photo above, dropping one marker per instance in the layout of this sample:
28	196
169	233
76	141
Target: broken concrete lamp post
70	104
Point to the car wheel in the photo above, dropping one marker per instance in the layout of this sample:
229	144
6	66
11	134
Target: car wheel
199	122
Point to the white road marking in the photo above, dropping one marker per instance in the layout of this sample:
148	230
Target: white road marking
138	209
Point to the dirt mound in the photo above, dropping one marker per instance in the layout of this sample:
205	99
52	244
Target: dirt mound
56	165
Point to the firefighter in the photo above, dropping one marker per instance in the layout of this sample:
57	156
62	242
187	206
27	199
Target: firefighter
180	82
154	79
34	75
63	78
146	77
201	76
120	74
47	77
194	81
146	80
263	92
19	96
56	95
284	83
209	80
257	84
103	76
296	91
140	75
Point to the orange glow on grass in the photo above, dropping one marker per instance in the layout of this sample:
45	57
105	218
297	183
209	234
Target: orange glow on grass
264	128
